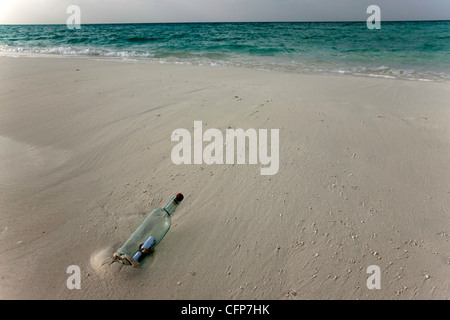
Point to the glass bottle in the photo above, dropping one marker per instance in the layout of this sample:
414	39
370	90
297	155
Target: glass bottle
149	233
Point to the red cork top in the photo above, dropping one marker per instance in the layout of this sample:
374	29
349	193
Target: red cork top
179	197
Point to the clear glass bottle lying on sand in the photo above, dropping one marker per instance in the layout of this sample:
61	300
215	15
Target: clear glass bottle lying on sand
149	233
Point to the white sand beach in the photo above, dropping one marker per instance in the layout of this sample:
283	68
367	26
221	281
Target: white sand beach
85	154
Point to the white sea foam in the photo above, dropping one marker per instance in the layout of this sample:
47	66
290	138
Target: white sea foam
262	63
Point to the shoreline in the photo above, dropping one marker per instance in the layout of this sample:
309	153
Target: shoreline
85	154
212	64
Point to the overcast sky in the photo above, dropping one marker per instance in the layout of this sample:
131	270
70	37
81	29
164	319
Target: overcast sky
120	11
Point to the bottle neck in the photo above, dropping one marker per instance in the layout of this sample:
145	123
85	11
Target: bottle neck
171	206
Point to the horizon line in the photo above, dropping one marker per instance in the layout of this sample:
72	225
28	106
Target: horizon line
218	22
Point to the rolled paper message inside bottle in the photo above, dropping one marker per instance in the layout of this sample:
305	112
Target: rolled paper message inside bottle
144	249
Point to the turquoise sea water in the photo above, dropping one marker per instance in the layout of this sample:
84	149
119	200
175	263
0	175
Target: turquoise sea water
408	50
